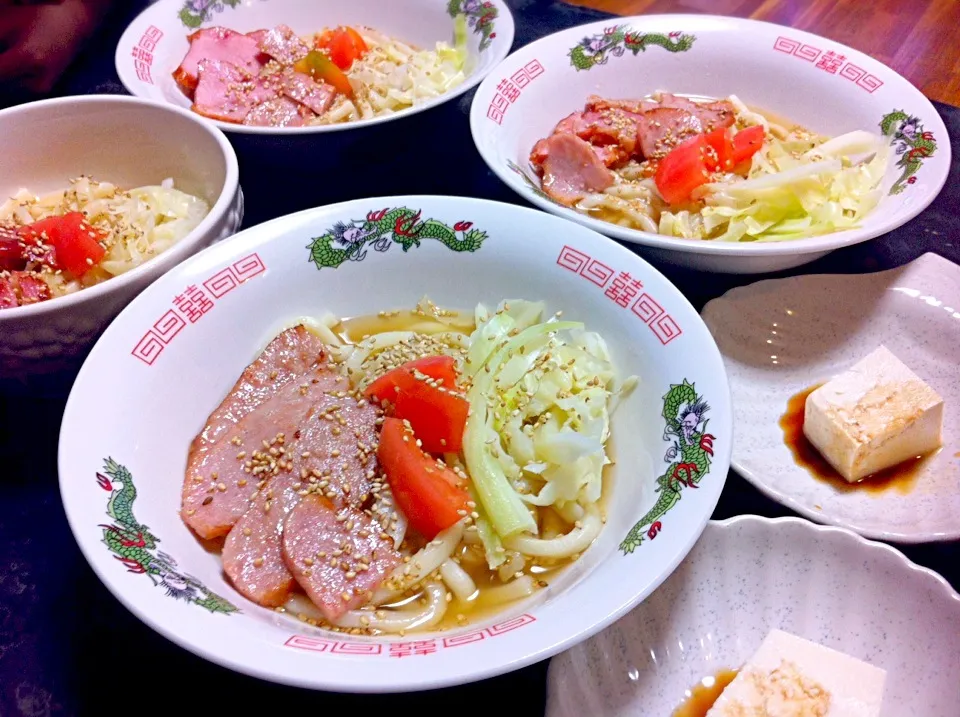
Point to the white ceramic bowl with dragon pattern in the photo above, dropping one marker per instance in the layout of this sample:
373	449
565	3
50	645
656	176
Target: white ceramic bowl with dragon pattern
155	43
817	83
176	361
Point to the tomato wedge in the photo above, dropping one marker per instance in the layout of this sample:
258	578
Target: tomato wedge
721	158
320	67
436	412
426	491
747	142
344	45
683	170
385	388
689	164
75	241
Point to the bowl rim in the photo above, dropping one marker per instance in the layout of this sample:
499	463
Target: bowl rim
794	247
839	532
507	30
546	646
172	256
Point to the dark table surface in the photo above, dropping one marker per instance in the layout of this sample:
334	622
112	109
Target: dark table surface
68	647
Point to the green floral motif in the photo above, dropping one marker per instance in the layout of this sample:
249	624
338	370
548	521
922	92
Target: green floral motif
912	143
689	458
480	16
350	241
135	546
196	12
618	39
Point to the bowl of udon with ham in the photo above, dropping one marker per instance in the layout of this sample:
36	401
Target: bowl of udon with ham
369	435
293	68
715	143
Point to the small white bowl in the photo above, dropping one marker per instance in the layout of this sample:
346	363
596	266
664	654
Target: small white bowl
780	337
128	142
174	373
812	81
747	576
154	44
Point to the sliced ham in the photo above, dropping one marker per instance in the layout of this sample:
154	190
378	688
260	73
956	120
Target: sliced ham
286	433
339	557
11	249
252	554
21	288
8	294
33	289
258	36
712	115
220	44
276	112
612	136
316	96
289	355
283	45
571	169
228	93
665	128
332	449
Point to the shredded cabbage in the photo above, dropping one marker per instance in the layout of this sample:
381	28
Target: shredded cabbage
394	76
138	223
540	394
796	188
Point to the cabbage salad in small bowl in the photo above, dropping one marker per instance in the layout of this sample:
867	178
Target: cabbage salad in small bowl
61	242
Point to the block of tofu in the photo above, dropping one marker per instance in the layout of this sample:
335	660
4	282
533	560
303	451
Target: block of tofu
792	677
873	416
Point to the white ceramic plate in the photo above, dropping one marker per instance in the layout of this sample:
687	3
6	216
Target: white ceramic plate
170	357
154	44
783	336
747	576
814	82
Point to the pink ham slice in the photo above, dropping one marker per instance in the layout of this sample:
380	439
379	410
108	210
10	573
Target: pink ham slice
33	289
258	36
220	44
277	112
612	133
228	93
289	355
316	96
571	169
665	128
330	445
283	45
252	554
8	295
339	557
712	115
